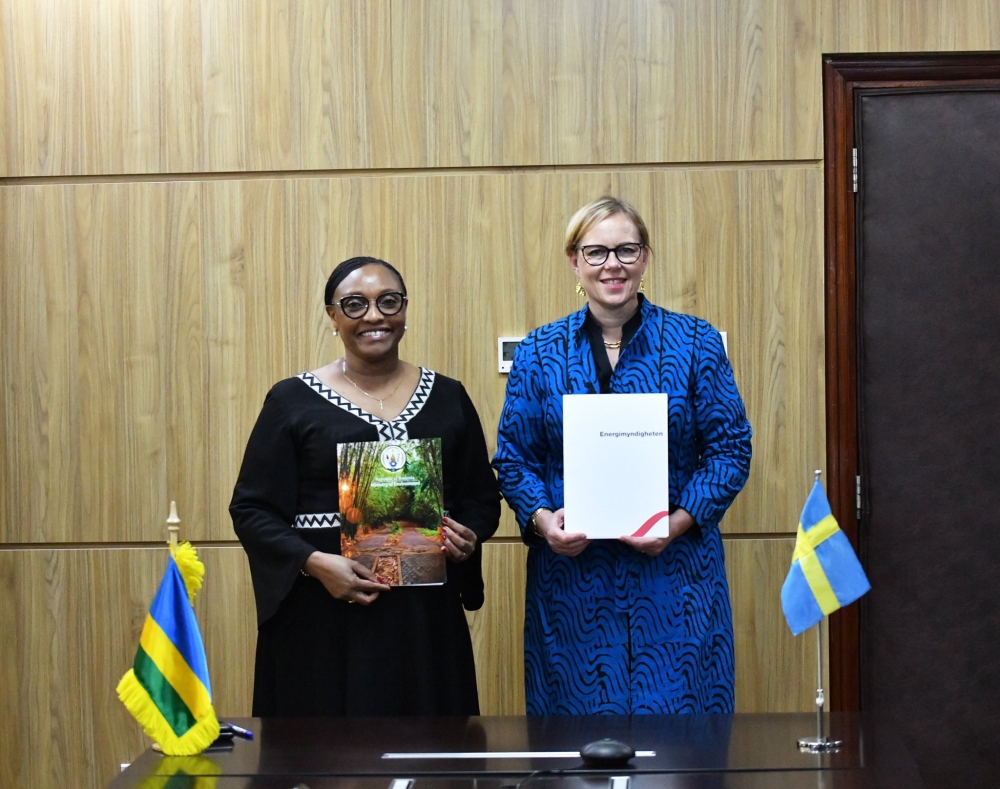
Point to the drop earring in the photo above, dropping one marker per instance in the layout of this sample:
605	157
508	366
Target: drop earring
335	332
579	288
642	285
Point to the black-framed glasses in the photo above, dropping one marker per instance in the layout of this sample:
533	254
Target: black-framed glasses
595	254
388	303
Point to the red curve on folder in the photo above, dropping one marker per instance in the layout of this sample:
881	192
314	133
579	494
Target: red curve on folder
641	532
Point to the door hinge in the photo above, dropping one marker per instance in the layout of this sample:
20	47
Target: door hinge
854	165
857	494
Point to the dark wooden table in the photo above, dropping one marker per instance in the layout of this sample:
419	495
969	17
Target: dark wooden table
692	751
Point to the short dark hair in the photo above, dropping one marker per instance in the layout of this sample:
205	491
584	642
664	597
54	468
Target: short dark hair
351	265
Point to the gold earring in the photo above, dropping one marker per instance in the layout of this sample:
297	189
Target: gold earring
642	284
579	289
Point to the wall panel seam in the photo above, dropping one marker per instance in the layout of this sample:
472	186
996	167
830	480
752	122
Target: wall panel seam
415	172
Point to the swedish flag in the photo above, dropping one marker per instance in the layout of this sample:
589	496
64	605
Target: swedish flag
825	572
167	689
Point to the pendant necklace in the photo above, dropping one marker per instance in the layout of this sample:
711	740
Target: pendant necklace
380	400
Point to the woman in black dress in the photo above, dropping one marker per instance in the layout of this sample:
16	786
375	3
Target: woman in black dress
332	640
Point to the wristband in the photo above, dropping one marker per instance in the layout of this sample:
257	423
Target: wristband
533	522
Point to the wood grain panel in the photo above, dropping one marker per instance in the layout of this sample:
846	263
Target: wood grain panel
659	81
39	363
152	319
497	630
85	90
443	81
184	87
901	26
187	87
78	614
775	671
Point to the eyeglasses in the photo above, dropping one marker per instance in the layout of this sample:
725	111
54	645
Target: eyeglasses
388	303
595	254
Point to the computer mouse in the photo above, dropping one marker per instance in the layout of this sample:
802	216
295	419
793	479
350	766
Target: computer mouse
606	754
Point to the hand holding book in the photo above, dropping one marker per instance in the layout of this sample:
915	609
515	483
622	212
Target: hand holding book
344	578
679	522
552	527
459	540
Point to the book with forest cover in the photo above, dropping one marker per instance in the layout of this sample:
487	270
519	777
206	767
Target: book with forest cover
391	507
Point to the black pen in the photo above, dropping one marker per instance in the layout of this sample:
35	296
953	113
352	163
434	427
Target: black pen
239	731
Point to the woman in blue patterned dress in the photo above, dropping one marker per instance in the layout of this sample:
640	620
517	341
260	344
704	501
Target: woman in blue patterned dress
639	625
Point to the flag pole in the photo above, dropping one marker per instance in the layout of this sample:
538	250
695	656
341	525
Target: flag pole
820	744
173	529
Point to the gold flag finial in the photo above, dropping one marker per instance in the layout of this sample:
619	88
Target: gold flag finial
173	529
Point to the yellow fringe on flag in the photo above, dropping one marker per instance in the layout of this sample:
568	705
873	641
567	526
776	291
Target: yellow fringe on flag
192	570
137	701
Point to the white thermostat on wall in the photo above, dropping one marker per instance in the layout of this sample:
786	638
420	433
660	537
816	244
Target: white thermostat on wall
505	352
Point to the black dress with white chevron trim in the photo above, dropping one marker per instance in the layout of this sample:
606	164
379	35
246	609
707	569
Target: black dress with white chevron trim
409	652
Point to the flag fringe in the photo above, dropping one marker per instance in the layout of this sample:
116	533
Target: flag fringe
192	570
137	701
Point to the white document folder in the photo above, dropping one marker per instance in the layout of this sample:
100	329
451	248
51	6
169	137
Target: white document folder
615	465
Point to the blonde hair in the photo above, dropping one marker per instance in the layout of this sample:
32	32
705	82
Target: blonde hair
597	211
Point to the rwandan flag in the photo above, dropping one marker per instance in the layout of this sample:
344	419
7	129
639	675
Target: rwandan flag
825	573
167	689
182	772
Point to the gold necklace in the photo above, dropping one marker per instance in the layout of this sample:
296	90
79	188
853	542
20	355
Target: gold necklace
613	344
343	365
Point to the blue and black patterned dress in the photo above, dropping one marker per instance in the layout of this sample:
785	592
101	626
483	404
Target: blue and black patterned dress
614	630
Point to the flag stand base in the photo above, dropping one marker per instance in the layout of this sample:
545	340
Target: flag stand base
819	743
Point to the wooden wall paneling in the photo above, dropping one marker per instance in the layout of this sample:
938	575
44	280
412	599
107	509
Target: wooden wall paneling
225	51
183	127
185	319
281	35
141	337
299	86
12	715
85	97
443	82
126	71
40	396
186	87
497	630
184	375
66	662
648	82
236	384
271	248
37	88
901	26
526	67
725	81
97	243
775	671
78	615
227	616
592	99
324	227
779	303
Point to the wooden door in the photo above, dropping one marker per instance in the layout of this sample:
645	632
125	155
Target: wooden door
913	375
